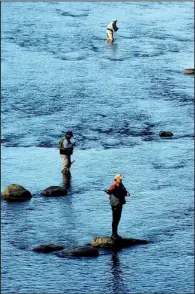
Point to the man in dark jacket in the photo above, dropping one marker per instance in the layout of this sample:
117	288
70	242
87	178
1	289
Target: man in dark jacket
66	150
117	193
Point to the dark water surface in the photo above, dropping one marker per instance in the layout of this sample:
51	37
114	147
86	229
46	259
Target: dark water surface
59	73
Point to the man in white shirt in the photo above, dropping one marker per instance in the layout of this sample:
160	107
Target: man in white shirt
111	28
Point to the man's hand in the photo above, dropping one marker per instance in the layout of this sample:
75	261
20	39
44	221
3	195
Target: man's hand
106	191
128	194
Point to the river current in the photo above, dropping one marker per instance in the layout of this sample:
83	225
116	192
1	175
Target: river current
59	73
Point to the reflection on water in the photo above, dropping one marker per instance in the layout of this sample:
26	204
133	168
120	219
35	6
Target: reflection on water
117	279
112	48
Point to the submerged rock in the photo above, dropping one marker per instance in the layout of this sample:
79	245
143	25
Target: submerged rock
16	192
165	134
107	242
54	191
86	251
189	71
48	248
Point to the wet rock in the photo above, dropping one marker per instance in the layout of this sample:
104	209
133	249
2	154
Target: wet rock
48	248
54	191
189	71
107	242
16	192
165	134
86	251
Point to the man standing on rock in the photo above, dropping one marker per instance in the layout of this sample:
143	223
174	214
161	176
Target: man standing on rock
117	193
66	150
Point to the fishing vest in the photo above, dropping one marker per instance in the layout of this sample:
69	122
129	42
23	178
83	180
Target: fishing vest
118	196
65	151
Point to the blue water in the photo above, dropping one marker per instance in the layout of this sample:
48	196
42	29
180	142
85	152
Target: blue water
59	73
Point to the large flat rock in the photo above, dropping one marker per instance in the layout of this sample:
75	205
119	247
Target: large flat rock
61	251
107	242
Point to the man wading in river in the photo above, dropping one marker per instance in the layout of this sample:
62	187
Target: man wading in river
111	28
66	150
117	193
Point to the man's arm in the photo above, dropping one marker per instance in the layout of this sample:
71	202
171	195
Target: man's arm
110	190
126	192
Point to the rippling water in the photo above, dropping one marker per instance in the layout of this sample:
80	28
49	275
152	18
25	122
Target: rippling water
59	73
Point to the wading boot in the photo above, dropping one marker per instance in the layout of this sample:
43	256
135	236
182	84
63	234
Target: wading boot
116	237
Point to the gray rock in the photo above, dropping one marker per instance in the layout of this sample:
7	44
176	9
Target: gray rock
48	248
54	191
16	192
107	242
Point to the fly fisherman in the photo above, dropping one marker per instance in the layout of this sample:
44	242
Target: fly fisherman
111	28
117	193
66	150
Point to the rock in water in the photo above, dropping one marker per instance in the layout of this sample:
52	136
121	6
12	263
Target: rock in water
16	192
107	242
190	71
165	134
48	248
86	251
54	191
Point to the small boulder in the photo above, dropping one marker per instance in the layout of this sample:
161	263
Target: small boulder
107	242
54	191
86	251
165	134
48	248
189	71
16	192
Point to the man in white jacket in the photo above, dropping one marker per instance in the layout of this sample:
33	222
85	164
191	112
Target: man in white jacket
111	28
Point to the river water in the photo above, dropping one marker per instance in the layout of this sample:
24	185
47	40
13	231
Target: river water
59	73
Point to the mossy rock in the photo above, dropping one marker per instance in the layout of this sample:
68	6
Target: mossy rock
165	134
16	192
84	251
54	191
107	242
48	248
